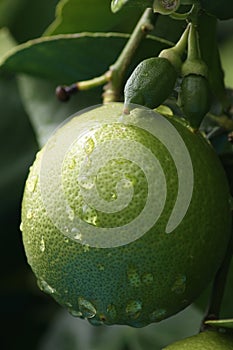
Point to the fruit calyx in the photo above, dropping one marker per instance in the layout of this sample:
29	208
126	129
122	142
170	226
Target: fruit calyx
194	63
175	53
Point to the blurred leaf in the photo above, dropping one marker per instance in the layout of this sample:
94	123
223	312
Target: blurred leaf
73	16
169	28
6	41
221	323
73	57
117	5
221	9
210	54
9	10
227	162
17	143
68	333
226	53
26	19
227	303
15	155
45	111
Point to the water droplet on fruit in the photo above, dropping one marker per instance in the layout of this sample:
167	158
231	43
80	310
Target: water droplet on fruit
68	304
86	307
72	163
86	248
42	244
133	277
100	267
133	309
113	195
111	310
147	278
158	315
21	226
45	287
90	215
29	214
66	240
70	213
31	184
75	313
89	146
78	236
76	233
179	284
86	182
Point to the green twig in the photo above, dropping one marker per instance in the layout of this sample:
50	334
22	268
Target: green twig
118	69
114	77
64	92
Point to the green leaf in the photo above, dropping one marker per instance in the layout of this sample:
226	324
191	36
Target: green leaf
73	57
228	323
117	5
74	16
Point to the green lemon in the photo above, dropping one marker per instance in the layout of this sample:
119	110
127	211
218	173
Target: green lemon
209	340
151	82
125	218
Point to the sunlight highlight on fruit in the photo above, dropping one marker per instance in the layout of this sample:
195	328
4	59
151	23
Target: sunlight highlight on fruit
78	147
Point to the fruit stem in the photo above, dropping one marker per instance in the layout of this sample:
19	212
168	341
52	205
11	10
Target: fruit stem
193	49
194	63
219	286
174	54
64	92
118	69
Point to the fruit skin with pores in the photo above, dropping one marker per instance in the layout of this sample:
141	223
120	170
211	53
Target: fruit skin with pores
149	278
208	340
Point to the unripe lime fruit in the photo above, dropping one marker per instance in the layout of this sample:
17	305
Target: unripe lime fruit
151	82
209	340
125	218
